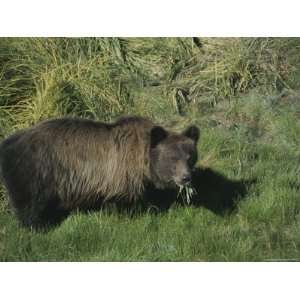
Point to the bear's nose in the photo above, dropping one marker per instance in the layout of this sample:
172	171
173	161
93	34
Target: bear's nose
186	179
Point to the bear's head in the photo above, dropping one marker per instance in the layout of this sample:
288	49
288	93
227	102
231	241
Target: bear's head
173	156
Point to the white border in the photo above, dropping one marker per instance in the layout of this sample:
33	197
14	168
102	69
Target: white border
149	18
149	281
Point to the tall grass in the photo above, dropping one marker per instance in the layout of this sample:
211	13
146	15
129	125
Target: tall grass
99	77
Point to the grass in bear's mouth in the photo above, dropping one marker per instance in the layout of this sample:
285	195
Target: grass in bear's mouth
186	192
243	94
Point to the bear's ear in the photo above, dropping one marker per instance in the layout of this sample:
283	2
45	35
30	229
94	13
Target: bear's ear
157	135
193	133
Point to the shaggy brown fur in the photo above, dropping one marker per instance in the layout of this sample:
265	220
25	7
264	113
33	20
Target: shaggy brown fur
63	164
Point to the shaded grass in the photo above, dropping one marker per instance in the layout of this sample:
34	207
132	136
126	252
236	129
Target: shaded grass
244	95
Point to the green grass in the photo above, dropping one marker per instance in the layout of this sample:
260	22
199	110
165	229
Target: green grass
244	95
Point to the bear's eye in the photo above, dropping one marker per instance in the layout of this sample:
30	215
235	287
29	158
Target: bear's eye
191	160
189	156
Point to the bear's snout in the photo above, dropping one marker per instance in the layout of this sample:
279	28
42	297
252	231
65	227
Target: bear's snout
186	180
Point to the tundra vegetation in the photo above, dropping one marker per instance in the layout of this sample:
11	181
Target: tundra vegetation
243	93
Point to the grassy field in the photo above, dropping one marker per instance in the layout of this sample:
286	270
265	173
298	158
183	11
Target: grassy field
243	93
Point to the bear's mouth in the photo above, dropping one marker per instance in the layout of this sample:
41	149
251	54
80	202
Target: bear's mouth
186	193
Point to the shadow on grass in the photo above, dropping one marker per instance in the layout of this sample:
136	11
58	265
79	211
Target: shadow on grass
213	191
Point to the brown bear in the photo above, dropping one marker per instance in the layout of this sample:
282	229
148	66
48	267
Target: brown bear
64	164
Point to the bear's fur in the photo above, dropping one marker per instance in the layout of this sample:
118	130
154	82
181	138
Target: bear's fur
65	164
